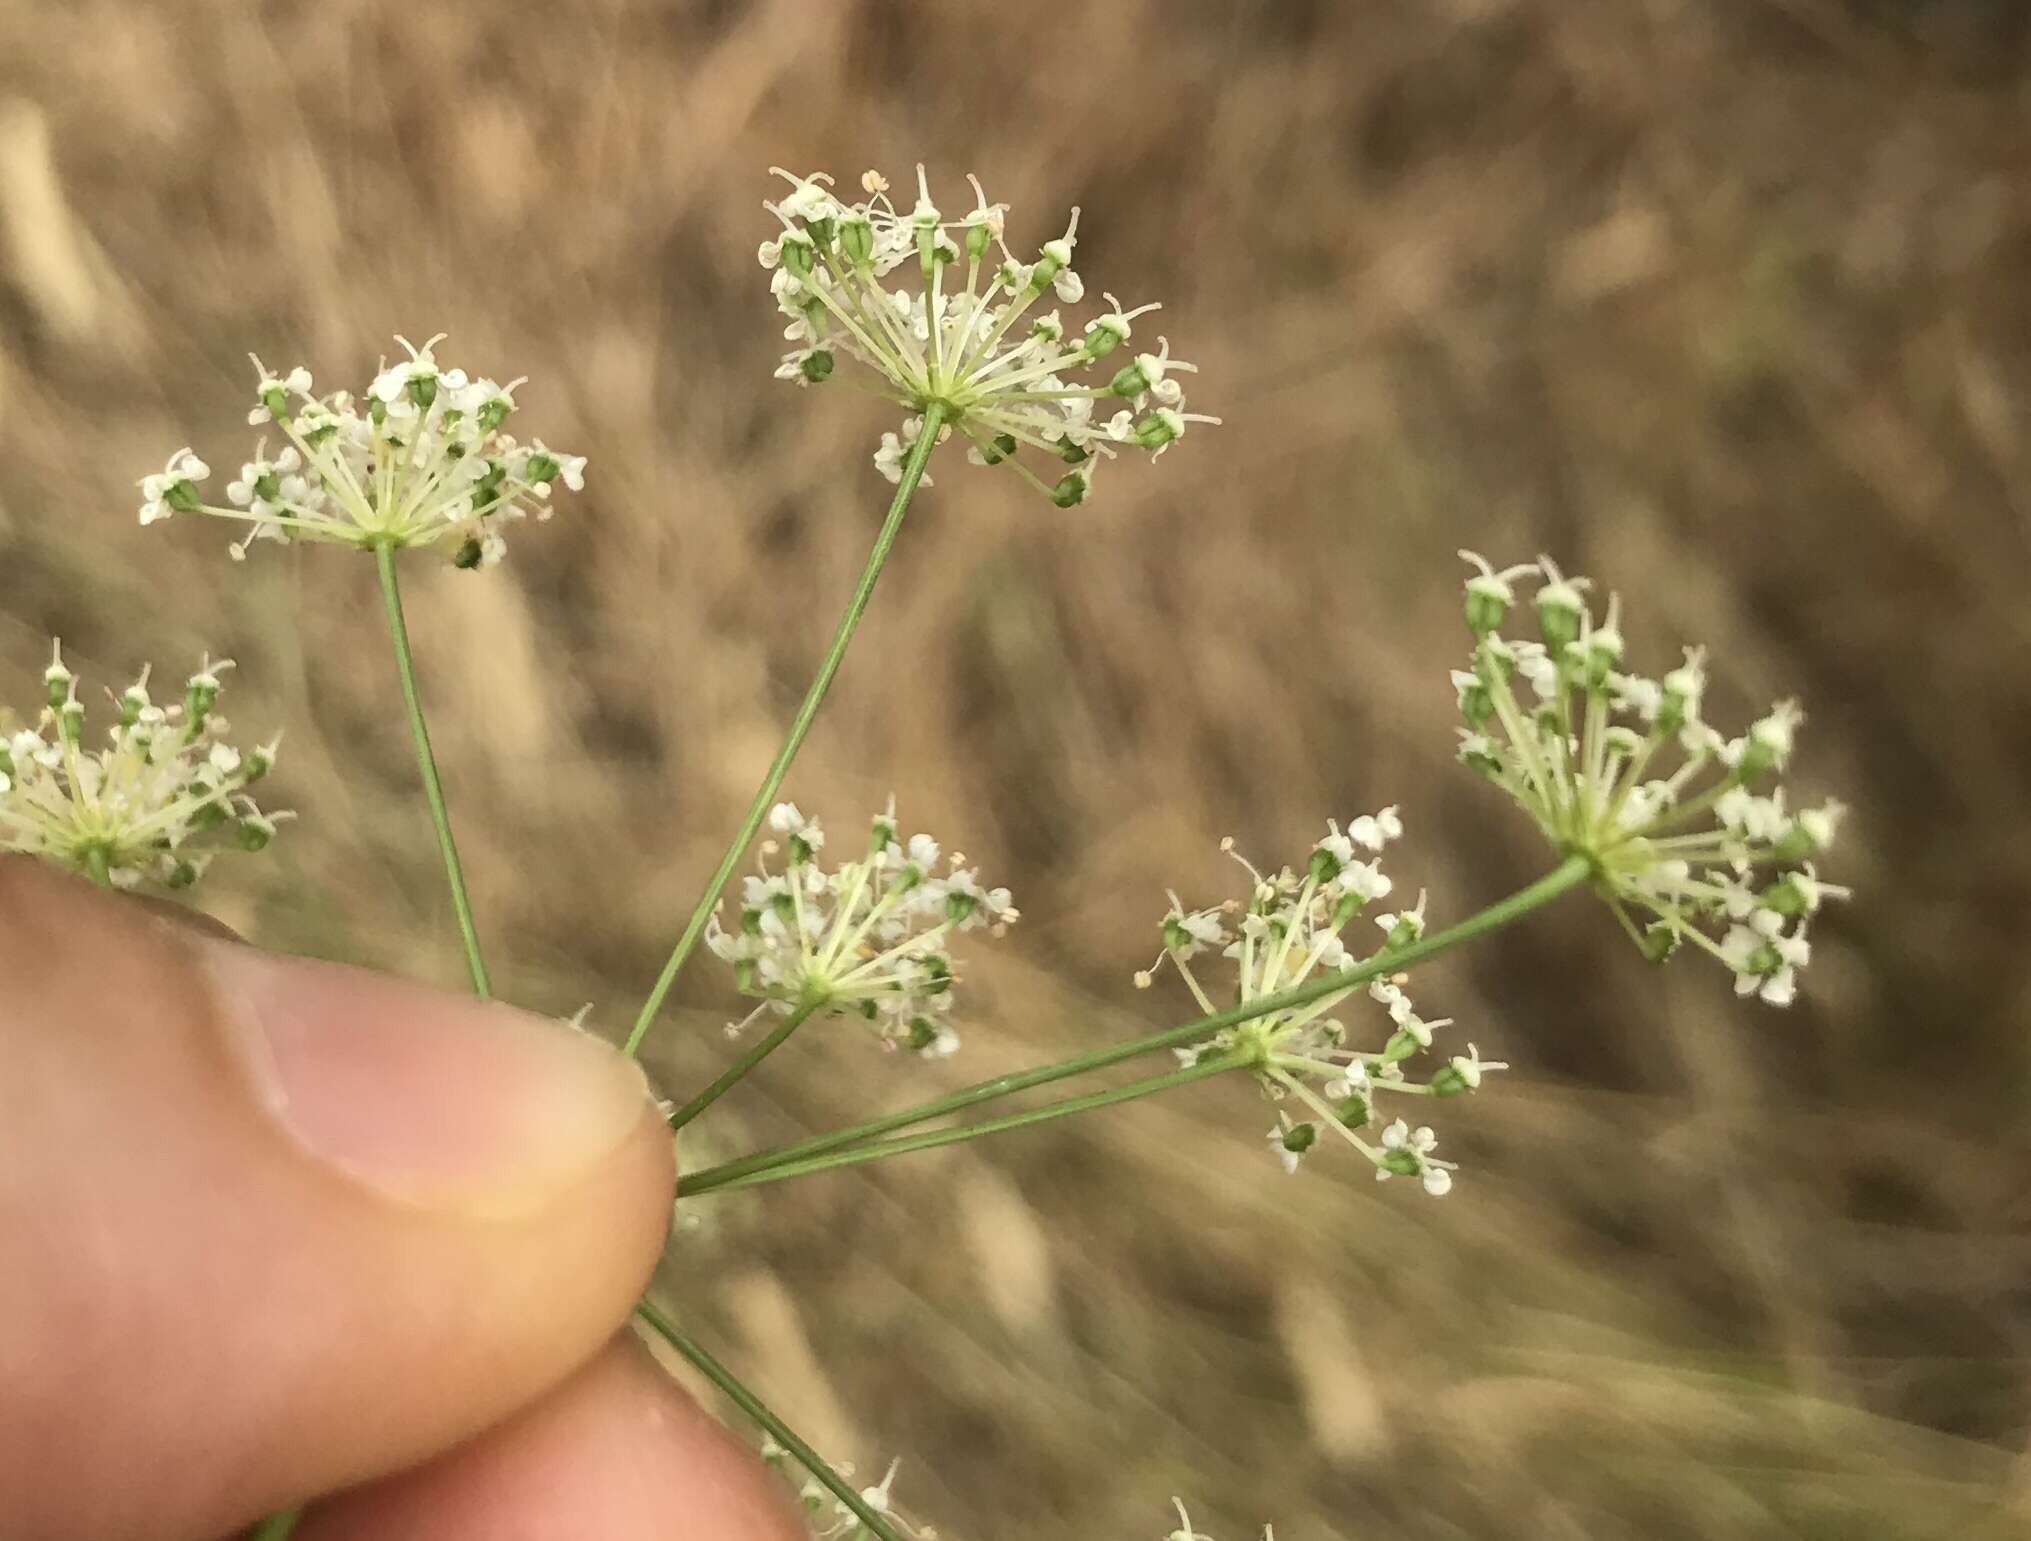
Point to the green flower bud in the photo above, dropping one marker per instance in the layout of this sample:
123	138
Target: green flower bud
817	365
1300	1138
1408	928
799	253
1403	1043
1071	489
1487	604
1104	334
468	554
1129	380
1448	1082
1559	612
199	697
1159	428
856	240
1792	894
1477	705
1403	1163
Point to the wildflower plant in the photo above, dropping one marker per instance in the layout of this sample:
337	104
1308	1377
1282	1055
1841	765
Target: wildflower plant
1301	980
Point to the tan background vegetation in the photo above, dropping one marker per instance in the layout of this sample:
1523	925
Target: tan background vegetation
1726	304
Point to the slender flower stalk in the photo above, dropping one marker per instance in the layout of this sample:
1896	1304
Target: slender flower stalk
426	763
1568	875
862	1510
800	727
740	1067
713	1181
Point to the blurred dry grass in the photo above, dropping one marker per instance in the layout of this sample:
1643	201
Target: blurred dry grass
1726	303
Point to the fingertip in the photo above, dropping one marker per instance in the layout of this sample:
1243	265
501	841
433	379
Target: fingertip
216	1306
618	1452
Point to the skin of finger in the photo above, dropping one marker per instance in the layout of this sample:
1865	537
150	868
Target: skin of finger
618	1452
198	1323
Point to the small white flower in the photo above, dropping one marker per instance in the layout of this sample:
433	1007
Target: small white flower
1405	925
1407	1152
1375	830
173	489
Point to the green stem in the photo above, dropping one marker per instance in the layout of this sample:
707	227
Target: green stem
708	1182
426	762
277	1527
752	1405
743	1065
97	868
800	725
1568	874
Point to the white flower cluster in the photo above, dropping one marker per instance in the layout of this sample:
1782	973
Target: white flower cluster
1287	932
869	938
1689	837
420	459
1004	383
152	805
